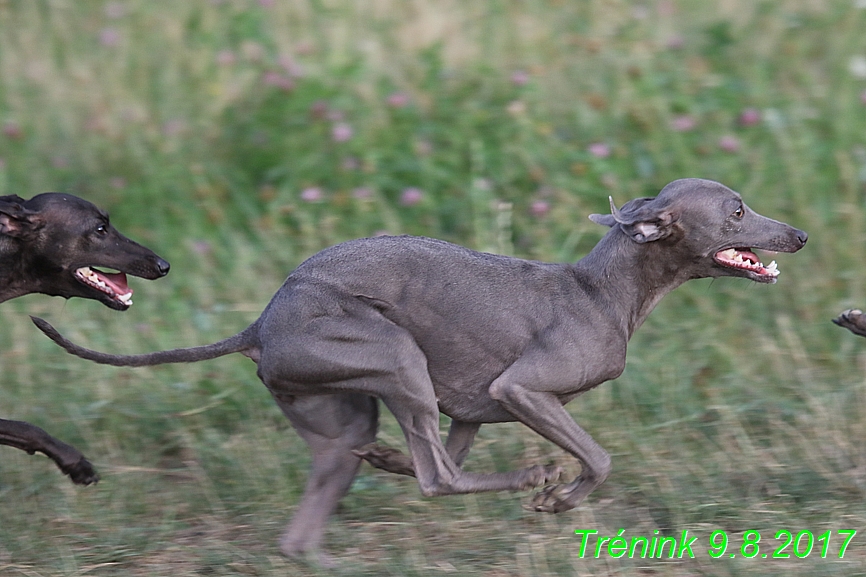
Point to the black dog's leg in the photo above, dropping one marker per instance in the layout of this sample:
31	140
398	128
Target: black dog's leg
31	438
854	320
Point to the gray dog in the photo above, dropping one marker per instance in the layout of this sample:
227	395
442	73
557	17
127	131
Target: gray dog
430	327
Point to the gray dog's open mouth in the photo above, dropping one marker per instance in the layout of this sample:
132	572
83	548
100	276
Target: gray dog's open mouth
112	284
746	260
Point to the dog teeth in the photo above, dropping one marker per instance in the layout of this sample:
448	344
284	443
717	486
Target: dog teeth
772	269
126	299
730	254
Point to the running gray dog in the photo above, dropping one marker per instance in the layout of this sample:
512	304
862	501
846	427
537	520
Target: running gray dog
429	327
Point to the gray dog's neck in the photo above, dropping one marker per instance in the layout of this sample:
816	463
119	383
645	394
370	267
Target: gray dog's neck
631	277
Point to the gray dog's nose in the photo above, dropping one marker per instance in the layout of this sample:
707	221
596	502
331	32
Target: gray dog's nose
802	236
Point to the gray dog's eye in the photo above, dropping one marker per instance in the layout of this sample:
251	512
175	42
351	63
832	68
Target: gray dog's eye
739	212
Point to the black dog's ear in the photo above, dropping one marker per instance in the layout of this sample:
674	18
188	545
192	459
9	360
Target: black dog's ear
640	219
17	221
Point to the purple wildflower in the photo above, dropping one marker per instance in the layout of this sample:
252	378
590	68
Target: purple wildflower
363	193
114	10
12	130
729	143
411	196
278	80
341	132
750	117
226	58
683	123
539	208
398	100
520	78
599	150
109	37
312	194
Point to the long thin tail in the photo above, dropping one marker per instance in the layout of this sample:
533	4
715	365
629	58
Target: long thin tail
241	342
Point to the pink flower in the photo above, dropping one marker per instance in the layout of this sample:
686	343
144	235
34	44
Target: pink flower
350	163
675	42
750	117
278	80
516	107
114	10
683	123
423	147
226	58
729	143
201	247
319	109
398	100
666	8
12	130
291	66
539	208
174	127
519	78
362	193
599	150
109	37
411	196
341	132
312	194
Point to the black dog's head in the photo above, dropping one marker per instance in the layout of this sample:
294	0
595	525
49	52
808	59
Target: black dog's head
55	243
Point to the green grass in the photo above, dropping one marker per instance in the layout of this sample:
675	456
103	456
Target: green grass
216	133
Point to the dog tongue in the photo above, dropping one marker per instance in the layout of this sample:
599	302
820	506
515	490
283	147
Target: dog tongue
748	255
116	281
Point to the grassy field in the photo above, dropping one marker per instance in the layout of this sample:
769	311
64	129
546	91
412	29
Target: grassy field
238	137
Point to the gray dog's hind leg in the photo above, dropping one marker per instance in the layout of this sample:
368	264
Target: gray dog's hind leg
460	438
332	426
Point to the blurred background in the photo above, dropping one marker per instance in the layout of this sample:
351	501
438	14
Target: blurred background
238	137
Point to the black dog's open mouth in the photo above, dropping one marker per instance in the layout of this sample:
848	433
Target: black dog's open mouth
745	260
112	284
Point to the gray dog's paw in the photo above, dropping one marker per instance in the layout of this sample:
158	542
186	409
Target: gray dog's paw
386	458
854	320
540	475
553	499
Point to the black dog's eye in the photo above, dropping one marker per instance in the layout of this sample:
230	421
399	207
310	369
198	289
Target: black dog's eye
102	230
739	212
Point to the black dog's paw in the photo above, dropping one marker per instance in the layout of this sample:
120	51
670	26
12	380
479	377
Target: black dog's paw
854	320
81	473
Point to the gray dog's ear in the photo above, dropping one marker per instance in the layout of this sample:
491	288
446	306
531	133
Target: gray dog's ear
640	219
603	219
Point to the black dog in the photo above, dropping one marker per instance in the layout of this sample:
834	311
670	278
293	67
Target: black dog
50	244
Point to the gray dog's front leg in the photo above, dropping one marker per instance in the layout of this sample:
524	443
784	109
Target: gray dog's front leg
543	412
